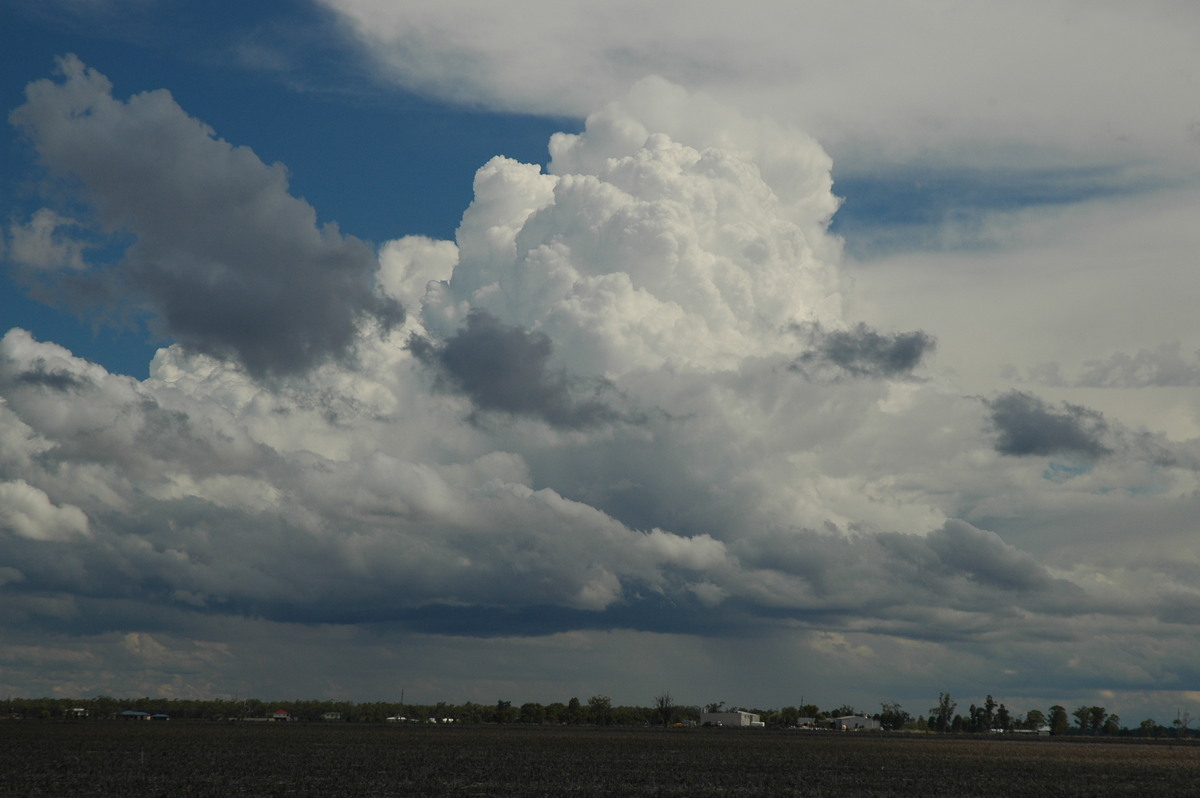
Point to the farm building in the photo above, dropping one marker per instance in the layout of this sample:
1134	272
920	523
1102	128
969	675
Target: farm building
854	723
737	718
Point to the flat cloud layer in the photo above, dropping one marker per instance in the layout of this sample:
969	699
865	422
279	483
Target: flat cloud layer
969	82
627	406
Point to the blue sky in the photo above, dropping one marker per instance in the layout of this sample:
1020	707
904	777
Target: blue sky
583	350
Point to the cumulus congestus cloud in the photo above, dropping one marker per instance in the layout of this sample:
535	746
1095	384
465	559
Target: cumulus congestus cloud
223	257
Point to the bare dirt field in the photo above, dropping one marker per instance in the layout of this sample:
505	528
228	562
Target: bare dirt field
299	759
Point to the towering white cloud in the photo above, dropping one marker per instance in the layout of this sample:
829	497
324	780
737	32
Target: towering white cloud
642	249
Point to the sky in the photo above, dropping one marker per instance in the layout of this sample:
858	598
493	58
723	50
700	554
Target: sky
763	353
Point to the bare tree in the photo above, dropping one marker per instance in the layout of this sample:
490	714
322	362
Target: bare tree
664	706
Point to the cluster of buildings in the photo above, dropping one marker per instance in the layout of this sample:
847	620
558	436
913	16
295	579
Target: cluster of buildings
739	718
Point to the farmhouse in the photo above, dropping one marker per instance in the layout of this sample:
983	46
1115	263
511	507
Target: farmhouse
737	718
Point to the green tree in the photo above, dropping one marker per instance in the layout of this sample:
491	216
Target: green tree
893	716
575	712
1083	716
556	712
942	716
788	716
1034	720
1096	718
532	713
1112	724
1059	721
504	712
600	710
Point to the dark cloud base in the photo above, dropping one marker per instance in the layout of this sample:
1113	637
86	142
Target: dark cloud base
1025	425
862	352
504	369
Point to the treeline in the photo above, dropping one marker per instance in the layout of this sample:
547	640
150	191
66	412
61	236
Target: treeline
992	717
597	710
988	717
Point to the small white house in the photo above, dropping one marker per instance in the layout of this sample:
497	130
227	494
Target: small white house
738	718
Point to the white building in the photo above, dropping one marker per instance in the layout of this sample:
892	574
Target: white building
854	723
735	717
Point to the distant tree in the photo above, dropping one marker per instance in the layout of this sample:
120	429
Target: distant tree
533	713
788	716
809	710
634	716
843	711
1034	720
600	710
664	707
1181	723
504	712
989	714
941	717
470	712
892	716
1059	721
1003	720
575	712
716	706
556	712
1112	724
1096	718
976	720
1148	728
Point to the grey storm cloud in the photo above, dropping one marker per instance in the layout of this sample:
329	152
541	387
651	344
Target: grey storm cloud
231	264
863	352
506	369
1026	425
57	380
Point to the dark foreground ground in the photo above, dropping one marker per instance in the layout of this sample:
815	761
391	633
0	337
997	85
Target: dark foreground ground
276	759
